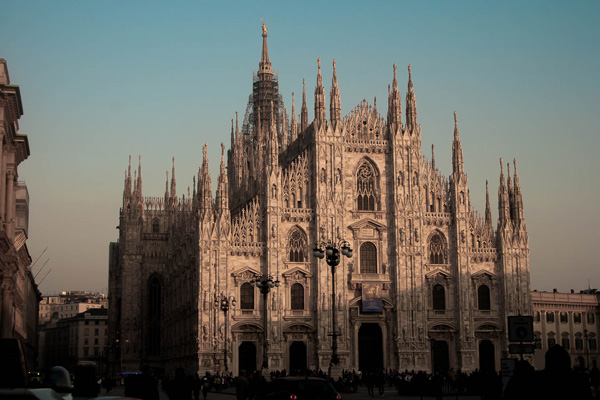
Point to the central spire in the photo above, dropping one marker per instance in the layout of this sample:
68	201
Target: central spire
265	64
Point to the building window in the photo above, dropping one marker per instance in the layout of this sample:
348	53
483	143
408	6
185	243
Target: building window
86	331
536	316
577	318
96	341
96	332
247	296
592	343
564	317
565	343
590	318
297	296
297	245
538	340
578	343
437	249
365	188
154	315
368	258
483	297
155	226
551	342
96	351
86	351
550	317
86	341
439	297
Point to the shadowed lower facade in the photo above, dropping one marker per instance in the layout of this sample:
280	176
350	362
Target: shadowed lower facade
440	280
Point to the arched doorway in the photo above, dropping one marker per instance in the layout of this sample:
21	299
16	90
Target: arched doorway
297	358
487	360
370	347
247	357
441	356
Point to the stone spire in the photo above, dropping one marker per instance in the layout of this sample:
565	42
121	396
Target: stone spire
273	144
411	105
335	107
457	155
205	185
265	64
432	158
303	110
139	179
167	188
394	106
503	202
293	126
511	193
284	129
127	189
518	197
173	183
320	113
488	211
222	200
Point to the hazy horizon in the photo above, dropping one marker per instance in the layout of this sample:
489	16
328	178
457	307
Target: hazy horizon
102	81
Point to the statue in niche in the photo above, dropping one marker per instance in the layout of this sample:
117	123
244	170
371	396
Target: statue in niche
339	301
205	301
420	332
273	302
401	235
462	236
222	331
274	192
384	267
324	302
417	235
275	333
273	230
323	230
403	333
419	302
339	233
204	332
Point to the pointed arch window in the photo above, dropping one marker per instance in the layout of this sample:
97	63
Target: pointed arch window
439	298
483	297
155	226
368	258
154	315
366	188
437	249
297	296
247	296
297	247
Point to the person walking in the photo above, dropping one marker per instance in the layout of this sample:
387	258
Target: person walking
241	386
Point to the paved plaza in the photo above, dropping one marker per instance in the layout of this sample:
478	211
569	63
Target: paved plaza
390	393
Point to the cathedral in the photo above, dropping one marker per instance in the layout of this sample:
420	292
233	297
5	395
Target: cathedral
429	283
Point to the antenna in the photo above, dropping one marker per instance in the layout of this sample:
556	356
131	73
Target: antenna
36	260
35	276
44	277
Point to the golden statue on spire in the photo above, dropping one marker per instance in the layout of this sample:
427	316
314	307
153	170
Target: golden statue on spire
264	27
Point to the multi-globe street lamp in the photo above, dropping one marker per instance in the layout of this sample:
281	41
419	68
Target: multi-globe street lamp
587	346
332	251
223	302
265	283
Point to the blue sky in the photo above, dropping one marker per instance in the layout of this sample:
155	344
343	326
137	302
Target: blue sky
102	80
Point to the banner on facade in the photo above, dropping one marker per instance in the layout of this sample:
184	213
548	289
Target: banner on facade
371	297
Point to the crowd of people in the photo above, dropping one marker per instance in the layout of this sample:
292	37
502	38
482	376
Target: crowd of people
557	380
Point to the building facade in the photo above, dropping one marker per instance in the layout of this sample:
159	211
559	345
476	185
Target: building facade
69	304
569	320
440	279
68	341
19	294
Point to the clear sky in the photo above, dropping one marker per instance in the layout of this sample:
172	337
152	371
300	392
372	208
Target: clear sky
106	79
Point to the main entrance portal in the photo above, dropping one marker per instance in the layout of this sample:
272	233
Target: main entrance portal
370	347
441	356
297	358
487	361
247	357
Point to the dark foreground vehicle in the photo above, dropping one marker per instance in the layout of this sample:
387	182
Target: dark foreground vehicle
299	388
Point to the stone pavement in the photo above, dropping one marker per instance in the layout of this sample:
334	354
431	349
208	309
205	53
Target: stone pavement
390	393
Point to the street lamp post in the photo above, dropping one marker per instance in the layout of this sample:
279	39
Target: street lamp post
265	283
223	302
333	259
587	346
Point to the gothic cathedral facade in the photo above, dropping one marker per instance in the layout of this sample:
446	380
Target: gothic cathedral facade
429	285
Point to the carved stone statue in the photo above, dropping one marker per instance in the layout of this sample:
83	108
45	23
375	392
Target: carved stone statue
204	332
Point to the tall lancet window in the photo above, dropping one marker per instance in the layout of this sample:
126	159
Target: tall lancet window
297	296
247	296
366	188
368	258
154	316
437	249
297	247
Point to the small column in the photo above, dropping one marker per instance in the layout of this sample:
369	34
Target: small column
10	204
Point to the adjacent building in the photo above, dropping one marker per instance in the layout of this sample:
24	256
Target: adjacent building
569	320
68	341
429	286
19	294
68	304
